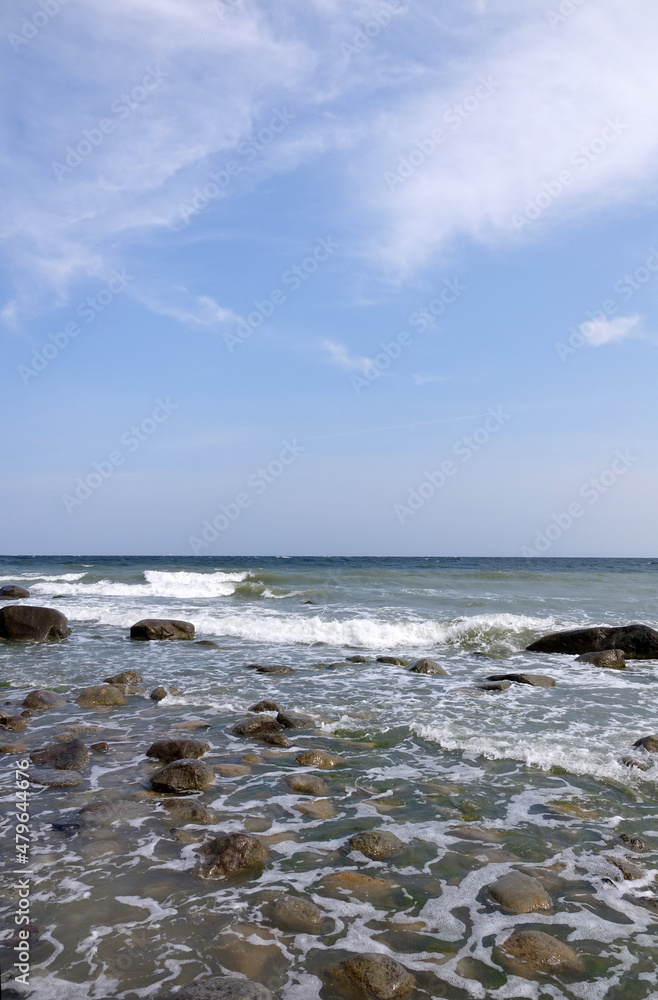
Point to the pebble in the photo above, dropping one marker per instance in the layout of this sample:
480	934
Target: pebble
520	893
306	784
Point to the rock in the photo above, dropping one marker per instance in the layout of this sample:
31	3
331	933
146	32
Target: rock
373	976
317	809
520	893
635	843
357	659
317	758
43	700
296	720
10	592
306	784
223	988
161	628
232	770
105	813
190	811
192	725
158	694
232	854
68	824
641	765
265	706
208	643
613	659
270	670
101	747
15	722
126	677
377	844
101	694
638	642
541	952
650	743
356	883
170	750
299	916
257	726
278	740
535	680
427	666
56	778
69	756
393	660
495	686
12	748
24	623
627	868
183	776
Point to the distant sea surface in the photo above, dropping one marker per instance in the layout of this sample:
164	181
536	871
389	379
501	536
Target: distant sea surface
538	768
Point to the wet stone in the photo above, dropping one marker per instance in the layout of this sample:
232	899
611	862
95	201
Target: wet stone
306	784
10	592
126	677
357	659
101	694
296	720
223	988
300	916
190	811
278	740
183	775
257	726
534	680
641	765
170	750
394	661
540	952
14	722
649	743
12	748
495	687
158	694
69	756
155	629
427	666
611	659
43	700
265	706
317	809
635	843
520	893
377	844
629	871
56	778
232	770
372	976
101	747
317	758
278	669
231	855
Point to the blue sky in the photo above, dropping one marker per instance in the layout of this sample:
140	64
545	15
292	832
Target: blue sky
337	277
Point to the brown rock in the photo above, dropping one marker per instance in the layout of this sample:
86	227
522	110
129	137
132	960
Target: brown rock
101	694
641	765
126	677
296	720
427	666
394	661
277	669
69	756
635	843
317	809
231	855
192	725
14	722
101	747
223	988
232	770
265	706
377	844
10	592
183	775
299	916
257	726
357	659
278	740
161	628
520	893
495	687
373	977
317	758
627	868
540	952
170	750
649	743
12	748
306	784
158	694
190	811
612	659
43	700
356	883
25	623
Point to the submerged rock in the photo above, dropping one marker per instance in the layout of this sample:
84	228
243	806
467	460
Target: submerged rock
126	677
641	765
183	776
190	811
377	844
15	722
43	700
170	750
69	756
534	680
395	661
257	726
161	628
307	784
372	976
296	720
300	916
635	843
520	893
232	770
427	666
231	855
495	687
638	642
223	988
265	706
278	740
25	623
612	659
317	809
650	743
56	778
317	758
277	669
627	868
10	592
101	694
208	643
540	952
357	659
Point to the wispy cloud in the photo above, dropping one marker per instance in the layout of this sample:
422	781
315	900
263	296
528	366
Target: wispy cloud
598	332
337	354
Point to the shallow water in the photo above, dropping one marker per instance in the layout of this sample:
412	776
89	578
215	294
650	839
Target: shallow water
529	779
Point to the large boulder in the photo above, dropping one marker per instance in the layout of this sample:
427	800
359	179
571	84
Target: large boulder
377	844
101	694
223	988
10	592
71	755
638	642
161	628
536	951
373	976
170	750
43	700
25	623
232	854
520	893
183	776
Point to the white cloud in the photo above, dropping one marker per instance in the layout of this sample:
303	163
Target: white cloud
337	354
606	331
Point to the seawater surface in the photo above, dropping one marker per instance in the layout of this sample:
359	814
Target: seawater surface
530	779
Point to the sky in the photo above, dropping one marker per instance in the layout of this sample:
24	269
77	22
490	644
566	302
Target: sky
332	277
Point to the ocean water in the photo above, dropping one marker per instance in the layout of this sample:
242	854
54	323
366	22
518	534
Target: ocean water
530	779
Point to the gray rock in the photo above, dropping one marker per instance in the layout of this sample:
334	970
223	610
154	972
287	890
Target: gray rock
306	784
377	844
373	977
183	776
170	750
101	694
612	659
495	687
357	659
635	843
535	680
208	643
126	677
540	952
277	669
158	694
638	642
650	743
629	871
10	592
106	813
278	740
296	720
190	811
43	700
520	893
161	628
299	916
257	726
25	623
52	776
641	765
427	666
393	660
223	988
265	706
71	755
232	854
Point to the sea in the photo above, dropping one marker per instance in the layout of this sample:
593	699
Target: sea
475	783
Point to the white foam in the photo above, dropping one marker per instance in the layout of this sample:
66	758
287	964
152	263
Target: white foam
158	583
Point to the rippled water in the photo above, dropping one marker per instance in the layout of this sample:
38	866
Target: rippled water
530	779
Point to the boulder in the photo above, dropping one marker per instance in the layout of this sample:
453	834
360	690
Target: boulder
170	750
377	844
257	726
638	642
69	756
190	811
357	659
24	623
232	770
158	694
317	809
15	722
317	758
495	687
10	592
278	740
43	700
395	661
535	680
232	854
161	628
53	776
373	977
222	988
306	784
649	743
540	952
183	776
277	669
299	916
427	666
125	677
635	843
296	720
265	706
629	871
612	659
101	694
520	893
